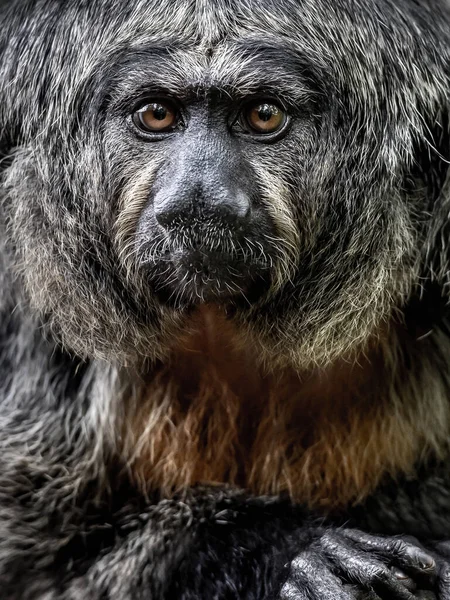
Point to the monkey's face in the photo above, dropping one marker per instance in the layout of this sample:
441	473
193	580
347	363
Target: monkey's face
263	164
204	217
204	232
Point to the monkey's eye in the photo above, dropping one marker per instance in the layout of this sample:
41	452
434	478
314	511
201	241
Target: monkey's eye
155	117
264	117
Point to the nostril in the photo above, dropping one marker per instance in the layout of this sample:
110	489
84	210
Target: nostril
167	212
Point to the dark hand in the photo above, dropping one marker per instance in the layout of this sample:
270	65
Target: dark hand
347	564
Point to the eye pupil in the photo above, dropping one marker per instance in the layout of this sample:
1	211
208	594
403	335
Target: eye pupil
266	112
159	112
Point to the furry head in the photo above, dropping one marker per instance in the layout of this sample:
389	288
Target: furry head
342	207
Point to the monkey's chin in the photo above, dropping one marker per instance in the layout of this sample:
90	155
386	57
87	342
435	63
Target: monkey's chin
197	278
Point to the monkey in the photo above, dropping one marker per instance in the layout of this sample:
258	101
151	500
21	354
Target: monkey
224	284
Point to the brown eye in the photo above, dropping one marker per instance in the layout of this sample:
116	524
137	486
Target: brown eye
265	117
155	117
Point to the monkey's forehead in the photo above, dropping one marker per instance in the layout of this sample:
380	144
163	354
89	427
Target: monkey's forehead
320	27
242	45
234	67
237	47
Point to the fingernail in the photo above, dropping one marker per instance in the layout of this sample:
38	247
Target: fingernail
399	574
426	562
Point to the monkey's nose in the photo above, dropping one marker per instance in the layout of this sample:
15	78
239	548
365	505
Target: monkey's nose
232	209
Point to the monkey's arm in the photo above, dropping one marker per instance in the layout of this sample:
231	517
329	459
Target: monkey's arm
219	543
243	547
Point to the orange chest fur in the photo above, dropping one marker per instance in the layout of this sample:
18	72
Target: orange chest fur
211	415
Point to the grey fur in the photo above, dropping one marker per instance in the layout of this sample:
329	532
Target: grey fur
358	195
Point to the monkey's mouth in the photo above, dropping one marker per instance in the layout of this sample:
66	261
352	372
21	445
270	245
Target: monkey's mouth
207	263
188	276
